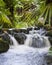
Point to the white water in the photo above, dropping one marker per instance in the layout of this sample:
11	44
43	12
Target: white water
25	54
38	40
15	43
28	41
40	32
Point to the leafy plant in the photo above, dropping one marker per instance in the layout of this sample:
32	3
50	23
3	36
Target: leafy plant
47	12
19	13
4	19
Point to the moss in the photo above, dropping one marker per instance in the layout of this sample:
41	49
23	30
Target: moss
4	46
50	49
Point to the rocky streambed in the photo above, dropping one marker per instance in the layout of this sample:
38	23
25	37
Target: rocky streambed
20	36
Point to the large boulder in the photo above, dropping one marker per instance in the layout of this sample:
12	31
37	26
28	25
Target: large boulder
4	46
20	37
5	37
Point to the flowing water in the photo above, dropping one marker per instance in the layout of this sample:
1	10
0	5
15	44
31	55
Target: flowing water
31	53
15	42
41	31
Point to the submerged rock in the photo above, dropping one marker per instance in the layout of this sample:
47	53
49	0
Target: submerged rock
4	46
20	37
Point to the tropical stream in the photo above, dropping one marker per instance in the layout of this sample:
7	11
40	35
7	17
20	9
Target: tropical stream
32	52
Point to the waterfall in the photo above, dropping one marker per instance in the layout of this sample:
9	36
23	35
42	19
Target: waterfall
31	53
37	41
41	31
15	43
28	41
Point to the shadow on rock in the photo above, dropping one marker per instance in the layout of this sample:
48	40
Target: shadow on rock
20	37
4	46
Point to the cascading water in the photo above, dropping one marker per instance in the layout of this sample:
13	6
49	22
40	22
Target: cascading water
28	41
15	43
27	54
41	31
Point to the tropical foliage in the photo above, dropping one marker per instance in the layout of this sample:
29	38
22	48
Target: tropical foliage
4	20
24	13
47	12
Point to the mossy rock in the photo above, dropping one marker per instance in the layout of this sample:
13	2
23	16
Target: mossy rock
4	46
50	49
20	37
5	37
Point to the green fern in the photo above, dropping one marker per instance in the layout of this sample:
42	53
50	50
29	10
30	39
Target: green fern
5	21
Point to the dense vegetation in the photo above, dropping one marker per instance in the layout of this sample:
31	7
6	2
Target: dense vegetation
24	13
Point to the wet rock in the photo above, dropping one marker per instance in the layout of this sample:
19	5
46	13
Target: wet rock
21	30
49	34
50	39
6	38
20	37
48	58
12	31
36	28
29	29
4	46
32	28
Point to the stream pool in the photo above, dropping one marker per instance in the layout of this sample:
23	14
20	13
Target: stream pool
23	55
